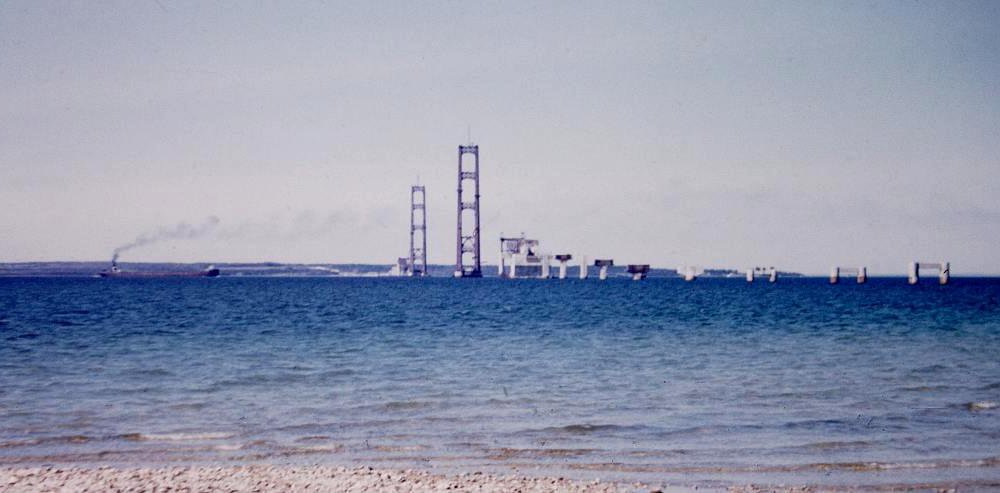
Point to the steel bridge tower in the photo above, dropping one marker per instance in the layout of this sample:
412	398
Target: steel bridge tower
467	239
418	224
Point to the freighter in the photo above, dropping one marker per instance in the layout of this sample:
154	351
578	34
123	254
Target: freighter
115	271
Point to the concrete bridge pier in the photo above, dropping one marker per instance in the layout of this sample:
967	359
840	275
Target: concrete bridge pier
563	258
860	273
638	271
603	264
944	271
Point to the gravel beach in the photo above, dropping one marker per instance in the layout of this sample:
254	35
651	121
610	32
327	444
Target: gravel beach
265	478
273	478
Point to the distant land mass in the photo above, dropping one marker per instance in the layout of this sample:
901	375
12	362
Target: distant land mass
275	269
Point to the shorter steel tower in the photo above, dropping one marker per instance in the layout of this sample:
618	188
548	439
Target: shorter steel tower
468	241
418	223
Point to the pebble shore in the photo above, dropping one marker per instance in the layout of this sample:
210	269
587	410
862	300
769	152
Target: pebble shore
275	478
266	478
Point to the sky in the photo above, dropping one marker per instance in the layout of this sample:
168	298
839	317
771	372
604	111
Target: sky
716	134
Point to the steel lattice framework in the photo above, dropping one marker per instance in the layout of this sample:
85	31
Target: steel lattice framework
467	239
418	224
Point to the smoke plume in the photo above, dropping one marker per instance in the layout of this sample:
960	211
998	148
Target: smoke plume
182	231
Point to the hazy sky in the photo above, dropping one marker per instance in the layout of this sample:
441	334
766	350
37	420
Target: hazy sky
721	134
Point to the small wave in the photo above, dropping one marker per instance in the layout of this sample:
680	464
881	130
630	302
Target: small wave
397	448
510	402
583	429
680	452
26	336
305	428
275	380
72	312
521	453
188	406
833	445
885	466
320	448
815	423
292	452
101	456
137	390
152	372
861	422
793	468
406	405
313	438
705	430
924	388
981	405
162	332
260	444
935	368
345	372
176	437
227	447
46	441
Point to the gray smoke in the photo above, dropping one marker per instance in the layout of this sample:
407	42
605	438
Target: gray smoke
182	231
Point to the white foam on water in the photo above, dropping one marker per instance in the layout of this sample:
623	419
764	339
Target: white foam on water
184	437
983	405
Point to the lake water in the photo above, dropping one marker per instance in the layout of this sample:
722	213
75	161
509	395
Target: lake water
706	383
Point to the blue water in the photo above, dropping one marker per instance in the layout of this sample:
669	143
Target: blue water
710	382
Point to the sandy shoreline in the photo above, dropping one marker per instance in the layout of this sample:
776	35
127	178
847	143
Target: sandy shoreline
286	478
268	478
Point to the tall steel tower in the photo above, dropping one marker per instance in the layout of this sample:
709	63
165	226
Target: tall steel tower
418	223
468	243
